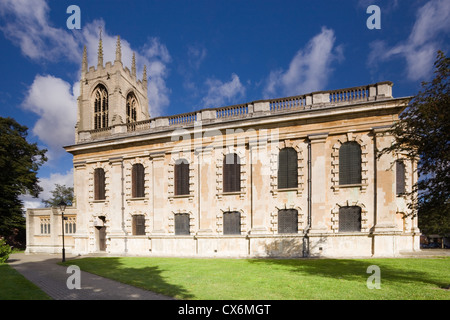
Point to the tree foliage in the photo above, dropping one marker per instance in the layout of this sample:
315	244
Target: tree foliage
60	193
423	132
19	163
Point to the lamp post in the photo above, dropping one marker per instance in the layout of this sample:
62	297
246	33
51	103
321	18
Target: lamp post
62	207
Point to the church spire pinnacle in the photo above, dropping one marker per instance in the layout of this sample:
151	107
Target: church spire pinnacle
133	65
144	76
118	50
100	50
84	64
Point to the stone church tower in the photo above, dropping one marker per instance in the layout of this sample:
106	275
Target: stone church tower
110	94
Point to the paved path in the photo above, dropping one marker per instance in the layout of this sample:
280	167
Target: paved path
43	270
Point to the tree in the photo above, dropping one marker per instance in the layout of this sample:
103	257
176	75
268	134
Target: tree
423	132
19	163
60	193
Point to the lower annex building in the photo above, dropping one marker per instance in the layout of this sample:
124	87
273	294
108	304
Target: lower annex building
288	177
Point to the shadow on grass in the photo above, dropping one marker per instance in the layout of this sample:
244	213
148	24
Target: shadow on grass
145	277
391	270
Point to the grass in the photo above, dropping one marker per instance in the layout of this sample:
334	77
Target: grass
285	279
14	286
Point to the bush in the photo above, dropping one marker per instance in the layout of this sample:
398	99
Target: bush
5	251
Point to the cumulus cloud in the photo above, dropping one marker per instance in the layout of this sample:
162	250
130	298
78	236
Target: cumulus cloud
221	93
308	70
419	50
54	100
48	185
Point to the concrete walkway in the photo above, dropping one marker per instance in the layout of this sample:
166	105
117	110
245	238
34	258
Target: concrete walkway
43	270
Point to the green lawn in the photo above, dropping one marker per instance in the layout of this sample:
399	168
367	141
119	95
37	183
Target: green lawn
250	279
14	286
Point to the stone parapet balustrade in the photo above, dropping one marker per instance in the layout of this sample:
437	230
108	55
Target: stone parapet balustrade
320	99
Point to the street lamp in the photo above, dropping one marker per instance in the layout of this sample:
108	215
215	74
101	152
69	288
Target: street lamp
62	206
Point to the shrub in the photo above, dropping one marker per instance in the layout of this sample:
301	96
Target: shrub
5	251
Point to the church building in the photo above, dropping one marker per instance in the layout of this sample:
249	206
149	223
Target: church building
284	177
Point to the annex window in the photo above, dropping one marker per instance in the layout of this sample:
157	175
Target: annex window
350	219
400	177
70	225
100	107
231	173
99	184
232	222
45	225
139	225
181	177
287	221
287	168
137	181
182	224
350	163
131	108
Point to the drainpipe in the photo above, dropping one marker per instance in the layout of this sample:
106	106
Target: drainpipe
308	226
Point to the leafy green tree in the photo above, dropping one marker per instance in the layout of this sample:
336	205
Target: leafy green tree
19	164
60	193
423	132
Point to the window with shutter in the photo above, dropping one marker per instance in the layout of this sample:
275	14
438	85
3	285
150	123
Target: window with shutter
287	221
400	177
99	184
137	181
181	177
182	224
350	163
231	173
350	219
139	225
287	168
232	222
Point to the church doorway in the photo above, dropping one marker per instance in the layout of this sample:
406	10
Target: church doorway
101	238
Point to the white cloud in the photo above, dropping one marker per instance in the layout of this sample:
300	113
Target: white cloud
48	185
419	50
308	70
26	24
54	100
221	93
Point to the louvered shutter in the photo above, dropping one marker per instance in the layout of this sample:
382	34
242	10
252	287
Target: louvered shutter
137	181
287	221
182	178
232	222
231	173
182	224
99	184
139	225
350	219
350	163
287	169
400	177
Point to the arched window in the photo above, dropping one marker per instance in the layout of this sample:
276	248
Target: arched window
400	177
287	168
131	108
100	107
350	219
350	163
231	173
287	221
137	181
99	184
232	222
181	177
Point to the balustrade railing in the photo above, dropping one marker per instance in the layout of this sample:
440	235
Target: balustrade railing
289	103
232	111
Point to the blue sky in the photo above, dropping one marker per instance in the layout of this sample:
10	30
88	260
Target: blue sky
206	54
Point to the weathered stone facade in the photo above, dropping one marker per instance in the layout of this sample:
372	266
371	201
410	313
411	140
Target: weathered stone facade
315	125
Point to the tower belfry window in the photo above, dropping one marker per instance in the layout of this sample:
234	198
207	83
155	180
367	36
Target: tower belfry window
100	107
131	108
